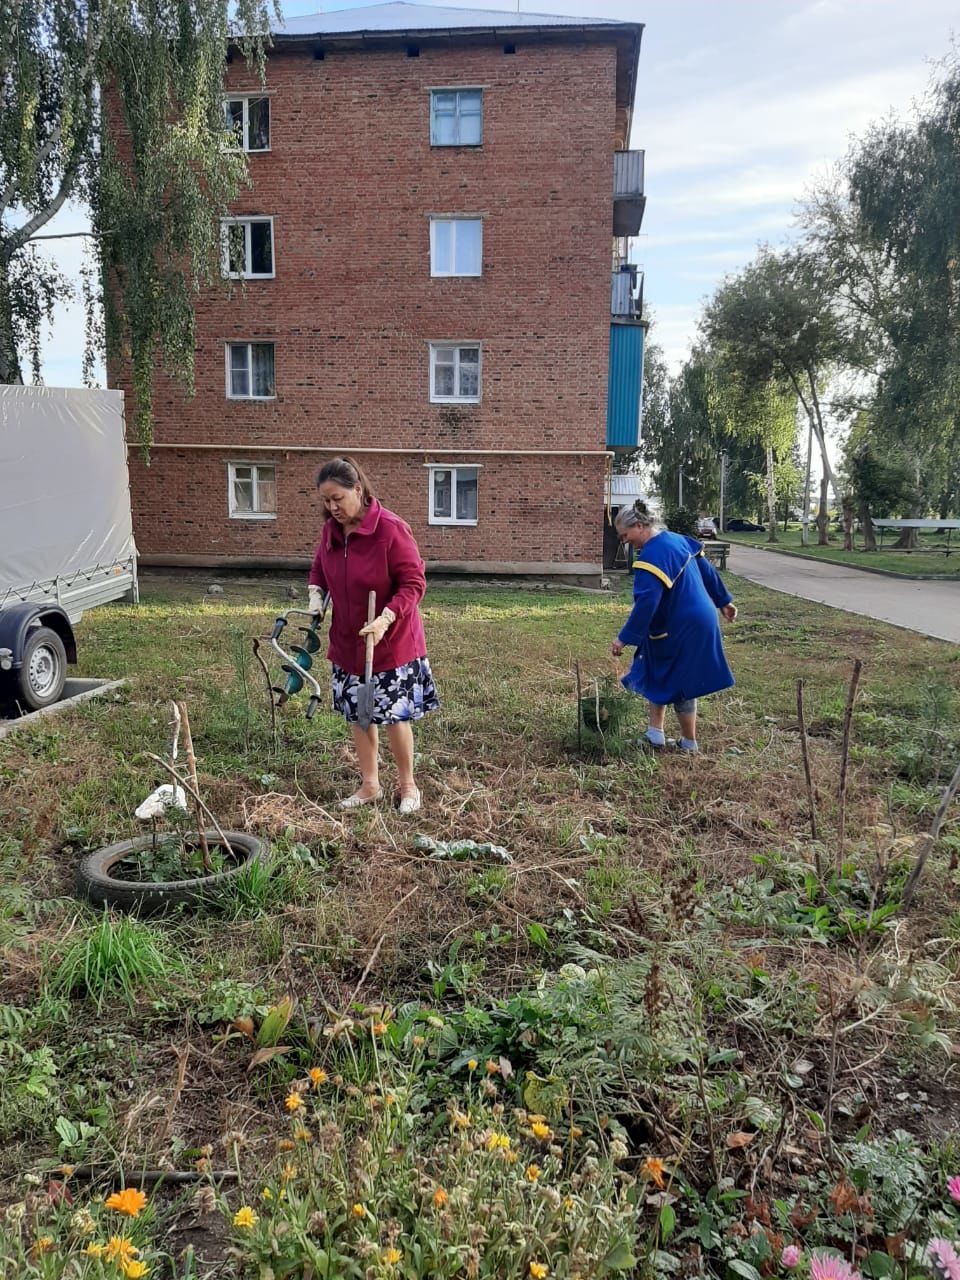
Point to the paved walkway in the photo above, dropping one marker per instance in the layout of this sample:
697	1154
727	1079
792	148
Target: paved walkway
932	608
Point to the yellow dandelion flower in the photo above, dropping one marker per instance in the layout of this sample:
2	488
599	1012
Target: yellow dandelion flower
303	1135
288	1172
654	1169
358	1211
266	1194
135	1270
389	1099
95	1250
245	1217
460	1120
472	1064
492	1067
379	1028
533	1172
440	1198
120	1249
317	1076
575	1132
392	1256
293	1102
128	1201
285	1144
539	1270
568	1202
43	1244
542	1131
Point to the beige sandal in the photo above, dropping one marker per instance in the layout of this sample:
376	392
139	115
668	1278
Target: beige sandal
410	804
356	800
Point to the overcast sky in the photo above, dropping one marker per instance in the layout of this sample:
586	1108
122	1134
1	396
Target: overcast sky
741	105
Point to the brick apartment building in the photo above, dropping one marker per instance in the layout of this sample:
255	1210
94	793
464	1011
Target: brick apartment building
428	271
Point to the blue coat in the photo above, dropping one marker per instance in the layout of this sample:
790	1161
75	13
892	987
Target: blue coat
674	623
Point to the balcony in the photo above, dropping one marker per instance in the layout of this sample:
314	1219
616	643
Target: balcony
628	198
626	293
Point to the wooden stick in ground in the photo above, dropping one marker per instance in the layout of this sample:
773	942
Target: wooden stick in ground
930	839
576	667
273	706
845	756
194	795
811	794
192	773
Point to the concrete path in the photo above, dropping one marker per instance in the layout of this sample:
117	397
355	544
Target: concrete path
932	608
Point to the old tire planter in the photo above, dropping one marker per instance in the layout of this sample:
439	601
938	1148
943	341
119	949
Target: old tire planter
95	881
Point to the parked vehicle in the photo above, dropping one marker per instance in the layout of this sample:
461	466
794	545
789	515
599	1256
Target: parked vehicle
66	536
706	527
744	526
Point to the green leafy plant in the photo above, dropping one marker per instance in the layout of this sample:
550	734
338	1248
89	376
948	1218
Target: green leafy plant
116	957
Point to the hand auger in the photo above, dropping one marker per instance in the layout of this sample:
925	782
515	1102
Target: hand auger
299	659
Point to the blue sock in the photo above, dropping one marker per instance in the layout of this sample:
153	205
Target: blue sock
689	744
656	737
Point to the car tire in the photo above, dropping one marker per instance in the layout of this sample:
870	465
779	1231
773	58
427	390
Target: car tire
104	890
39	681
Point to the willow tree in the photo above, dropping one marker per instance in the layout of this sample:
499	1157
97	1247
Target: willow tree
118	104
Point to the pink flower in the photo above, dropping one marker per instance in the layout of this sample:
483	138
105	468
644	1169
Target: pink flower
827	1266
790	1256
953	1186
943	1258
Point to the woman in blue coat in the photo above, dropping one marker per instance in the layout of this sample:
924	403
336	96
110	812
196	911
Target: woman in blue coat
676	594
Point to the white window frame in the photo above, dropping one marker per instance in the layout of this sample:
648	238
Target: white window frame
245	98
255	468
228	368
453	468
453	218
457	346
246	223
457	89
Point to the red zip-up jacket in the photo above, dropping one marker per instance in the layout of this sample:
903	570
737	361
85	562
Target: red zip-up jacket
379	555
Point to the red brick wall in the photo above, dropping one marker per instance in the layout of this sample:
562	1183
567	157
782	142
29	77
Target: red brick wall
350	182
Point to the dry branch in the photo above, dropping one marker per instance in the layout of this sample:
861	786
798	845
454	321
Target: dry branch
930	839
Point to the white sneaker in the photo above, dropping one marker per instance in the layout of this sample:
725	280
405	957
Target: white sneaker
410	804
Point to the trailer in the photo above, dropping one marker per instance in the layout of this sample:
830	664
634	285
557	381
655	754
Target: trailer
66	534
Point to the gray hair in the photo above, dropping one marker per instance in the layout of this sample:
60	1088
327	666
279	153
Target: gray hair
637	514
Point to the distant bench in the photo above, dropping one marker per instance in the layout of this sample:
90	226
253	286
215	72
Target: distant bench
948	525
717	551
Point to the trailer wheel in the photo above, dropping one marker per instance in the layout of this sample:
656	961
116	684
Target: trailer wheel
39	682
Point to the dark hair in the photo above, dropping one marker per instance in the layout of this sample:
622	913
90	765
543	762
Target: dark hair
348	474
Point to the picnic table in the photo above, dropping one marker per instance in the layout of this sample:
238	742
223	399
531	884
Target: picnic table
948	525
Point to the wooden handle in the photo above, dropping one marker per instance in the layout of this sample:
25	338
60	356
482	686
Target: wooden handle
371	614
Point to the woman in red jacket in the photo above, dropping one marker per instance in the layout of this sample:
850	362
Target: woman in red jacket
363	548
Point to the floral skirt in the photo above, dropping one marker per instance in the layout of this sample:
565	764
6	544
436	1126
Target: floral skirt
405	693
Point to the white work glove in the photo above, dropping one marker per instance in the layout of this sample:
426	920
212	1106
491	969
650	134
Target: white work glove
316	599
378	627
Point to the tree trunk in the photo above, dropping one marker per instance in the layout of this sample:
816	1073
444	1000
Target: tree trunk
771	497
823	514
9	360
848	514
866	528
909	538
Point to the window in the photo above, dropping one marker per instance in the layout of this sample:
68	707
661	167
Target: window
250	371
456	117
453	495
456	246
249	120
252	491
247	248
455	372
